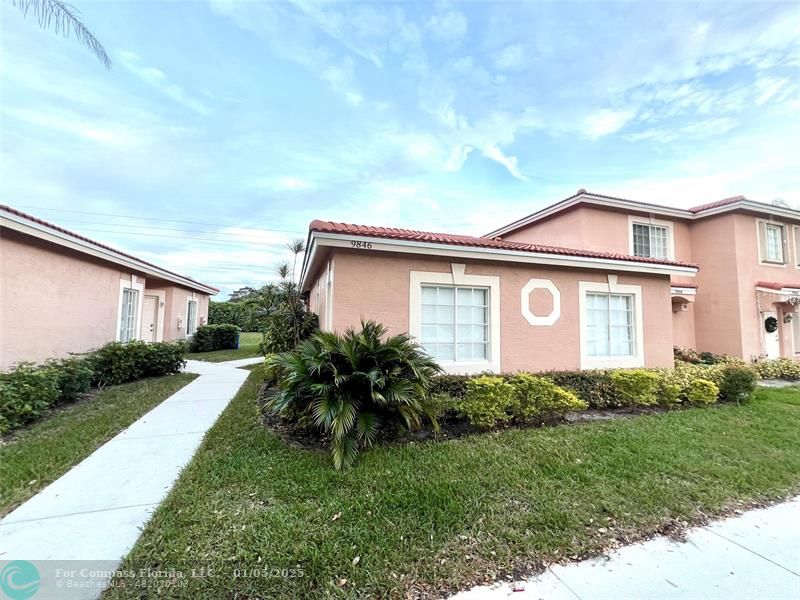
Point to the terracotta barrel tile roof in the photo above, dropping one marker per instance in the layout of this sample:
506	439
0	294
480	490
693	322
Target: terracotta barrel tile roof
774	285
476	242
716	203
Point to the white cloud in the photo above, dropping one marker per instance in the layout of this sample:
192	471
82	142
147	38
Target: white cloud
450	26
768	87
691	131
511	58
605	121
156	78
295	183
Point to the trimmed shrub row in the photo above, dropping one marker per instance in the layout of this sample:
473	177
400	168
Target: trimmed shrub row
206	338
30	390
523	398
602	389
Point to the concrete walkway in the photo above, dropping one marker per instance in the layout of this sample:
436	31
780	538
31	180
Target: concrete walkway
755	555
95	511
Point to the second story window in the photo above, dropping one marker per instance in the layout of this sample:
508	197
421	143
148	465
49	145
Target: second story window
650	241
774	243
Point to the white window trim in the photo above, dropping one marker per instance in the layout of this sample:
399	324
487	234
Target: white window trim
612	287
795	253
634	219
186	314
761	258
329	297
457	277
131	284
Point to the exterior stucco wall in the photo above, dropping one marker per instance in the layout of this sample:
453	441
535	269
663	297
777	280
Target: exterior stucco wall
683	326
175	299
749	272
52	303
376	286
592	228
718	326
55	301
317	299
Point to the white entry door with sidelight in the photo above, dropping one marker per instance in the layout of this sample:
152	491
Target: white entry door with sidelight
150	319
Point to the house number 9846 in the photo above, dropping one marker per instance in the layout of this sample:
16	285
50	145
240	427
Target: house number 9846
362	245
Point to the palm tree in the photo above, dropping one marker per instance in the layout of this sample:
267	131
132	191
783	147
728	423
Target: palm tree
296	246
282	269
64	19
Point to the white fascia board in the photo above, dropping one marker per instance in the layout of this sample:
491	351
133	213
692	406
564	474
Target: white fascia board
764	209
42	232
338	240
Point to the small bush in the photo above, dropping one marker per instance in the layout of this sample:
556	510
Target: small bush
74	378
702	391
454	386
488	401
738	382
686	355
594	387
119	362
668	392
538	396
26	393
214	337
778	368
637	386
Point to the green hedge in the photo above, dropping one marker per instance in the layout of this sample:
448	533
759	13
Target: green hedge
224	336
733	381
245	315
30	390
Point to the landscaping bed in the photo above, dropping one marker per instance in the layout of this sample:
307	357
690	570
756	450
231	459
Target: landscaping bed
35	455
426	519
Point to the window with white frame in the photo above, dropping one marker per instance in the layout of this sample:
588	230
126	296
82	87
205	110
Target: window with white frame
610	325
455	323
127	316
191	317
774	243
650	241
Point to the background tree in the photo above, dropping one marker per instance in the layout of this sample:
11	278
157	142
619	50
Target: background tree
243	293
296	247
63	19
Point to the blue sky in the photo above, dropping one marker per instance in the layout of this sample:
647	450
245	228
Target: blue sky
236	123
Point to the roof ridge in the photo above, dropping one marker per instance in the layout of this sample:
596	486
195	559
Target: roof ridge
81	237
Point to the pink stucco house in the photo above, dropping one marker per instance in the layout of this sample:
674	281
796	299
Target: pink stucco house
61	292
591	281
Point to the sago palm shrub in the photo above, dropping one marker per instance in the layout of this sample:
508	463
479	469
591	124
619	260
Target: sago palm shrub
354	384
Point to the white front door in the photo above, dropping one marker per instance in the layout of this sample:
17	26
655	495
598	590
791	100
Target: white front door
796	333
772	340
149	318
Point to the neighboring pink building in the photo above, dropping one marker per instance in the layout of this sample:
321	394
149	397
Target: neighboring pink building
62	293
748	254
591	281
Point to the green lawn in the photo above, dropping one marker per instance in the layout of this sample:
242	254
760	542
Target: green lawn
424	519
248	348
34	456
